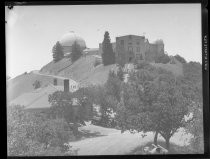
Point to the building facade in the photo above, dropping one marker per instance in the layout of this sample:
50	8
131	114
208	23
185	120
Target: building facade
133	48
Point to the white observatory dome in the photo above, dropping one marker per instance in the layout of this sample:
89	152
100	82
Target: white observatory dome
68	39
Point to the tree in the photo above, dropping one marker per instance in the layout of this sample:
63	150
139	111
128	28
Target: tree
54	133
57	52
180	59
164	58
76	52
173	108
63	106
113	84
32	134
152	103
85	98
120	73
191	85
100	99
37	84
108	55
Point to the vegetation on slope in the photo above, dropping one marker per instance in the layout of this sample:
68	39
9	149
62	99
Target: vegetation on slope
153	100
24	83
32	134
82	71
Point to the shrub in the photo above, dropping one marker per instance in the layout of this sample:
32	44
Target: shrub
142	65
37	84
162	59
180	59
29	134
54	133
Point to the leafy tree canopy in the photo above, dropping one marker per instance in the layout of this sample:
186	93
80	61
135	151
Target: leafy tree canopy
32	134
152	102
164	58
180	59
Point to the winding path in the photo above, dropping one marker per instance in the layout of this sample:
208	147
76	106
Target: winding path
114	142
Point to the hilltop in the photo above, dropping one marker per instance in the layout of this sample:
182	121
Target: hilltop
82	71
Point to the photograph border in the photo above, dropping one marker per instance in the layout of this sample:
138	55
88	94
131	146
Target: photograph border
205	67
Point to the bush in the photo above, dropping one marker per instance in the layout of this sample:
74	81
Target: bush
162	59
54	133
29	134
37	84
180	59
142	65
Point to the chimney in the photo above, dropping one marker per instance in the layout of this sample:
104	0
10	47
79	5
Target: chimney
66	85
55	82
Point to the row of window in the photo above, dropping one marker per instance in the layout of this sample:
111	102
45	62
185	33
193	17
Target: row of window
73	87
130	43
130	49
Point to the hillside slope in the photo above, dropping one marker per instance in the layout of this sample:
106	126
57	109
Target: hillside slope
24	83
54	68
82	71
99	74
176	69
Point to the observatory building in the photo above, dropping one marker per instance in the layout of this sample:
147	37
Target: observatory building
68	39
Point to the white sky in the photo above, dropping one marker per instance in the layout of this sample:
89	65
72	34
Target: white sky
31	31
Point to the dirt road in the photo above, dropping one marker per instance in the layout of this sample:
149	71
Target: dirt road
113	142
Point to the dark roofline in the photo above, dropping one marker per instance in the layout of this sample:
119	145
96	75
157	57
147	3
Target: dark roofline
131	35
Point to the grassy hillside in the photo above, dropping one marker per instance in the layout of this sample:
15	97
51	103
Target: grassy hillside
99	75
24	83
82	71
55	67
79	69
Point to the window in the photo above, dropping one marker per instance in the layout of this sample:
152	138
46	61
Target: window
122	42
138	49
129	43
137	43
130	49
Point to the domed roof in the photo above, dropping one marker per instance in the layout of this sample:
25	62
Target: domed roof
69	38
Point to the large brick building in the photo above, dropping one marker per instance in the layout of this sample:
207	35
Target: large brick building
132	48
